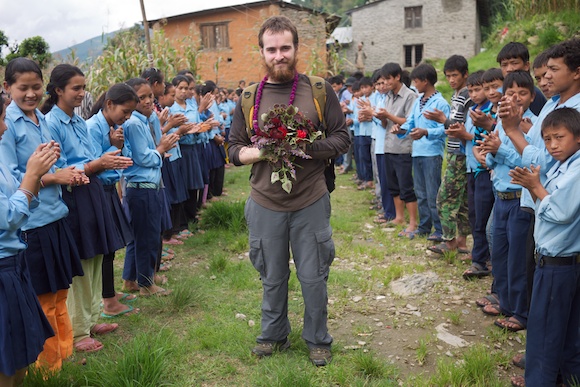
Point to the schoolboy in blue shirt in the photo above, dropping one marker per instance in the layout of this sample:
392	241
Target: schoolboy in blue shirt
510	222
365	125
553	336
428	146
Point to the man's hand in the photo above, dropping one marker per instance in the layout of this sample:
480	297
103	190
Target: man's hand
510	114
530	179
435	115
457	130
418	133
490	143
396	129
479	156
484	121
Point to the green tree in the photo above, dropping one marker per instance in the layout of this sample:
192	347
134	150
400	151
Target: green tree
35	48
3	43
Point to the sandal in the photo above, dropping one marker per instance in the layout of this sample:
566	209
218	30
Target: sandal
441	248
126	297
172	241
126	312
165	266
130	286
487	300
491	310
407	234
154	290
476	271
168	250
88	345
518	381
519	360
103	329
463	250
511	324
435	237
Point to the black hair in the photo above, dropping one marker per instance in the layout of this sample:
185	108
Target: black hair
168	86
541	60
20	66
513	50
119	93
180	78
208	87
153	75
491	75
239	91
365	81
136	83
406	78
356	86
1	104
197	89
358	75
456	63
519	78
376	75
475	79
569	50
566	117
336	80
425	72
59	78
391	70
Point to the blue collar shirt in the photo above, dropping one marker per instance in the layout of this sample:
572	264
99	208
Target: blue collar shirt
190	112
21	139
365	127
147	161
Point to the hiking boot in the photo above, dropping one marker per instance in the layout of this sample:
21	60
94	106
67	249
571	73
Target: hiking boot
267	349
320	356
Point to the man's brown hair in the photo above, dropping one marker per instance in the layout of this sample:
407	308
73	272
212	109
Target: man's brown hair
277	25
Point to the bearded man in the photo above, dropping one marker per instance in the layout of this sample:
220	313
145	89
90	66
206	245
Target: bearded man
300	219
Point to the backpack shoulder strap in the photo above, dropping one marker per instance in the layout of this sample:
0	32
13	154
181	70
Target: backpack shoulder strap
318	85
248	101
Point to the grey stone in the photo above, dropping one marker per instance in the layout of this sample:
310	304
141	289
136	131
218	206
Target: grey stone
414	284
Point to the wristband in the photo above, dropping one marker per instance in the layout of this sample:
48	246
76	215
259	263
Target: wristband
41	183
26	192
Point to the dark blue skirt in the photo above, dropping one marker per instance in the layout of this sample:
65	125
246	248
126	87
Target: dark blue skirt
190	166
91	220
173	179
201	156
23	326
215	155
52	256
119	218
165	211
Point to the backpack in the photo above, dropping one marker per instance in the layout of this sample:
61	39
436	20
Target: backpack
318	85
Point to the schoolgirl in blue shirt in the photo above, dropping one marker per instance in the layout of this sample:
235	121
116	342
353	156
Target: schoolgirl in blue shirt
142	200
90	216
52	255
23	325
110	112
215	152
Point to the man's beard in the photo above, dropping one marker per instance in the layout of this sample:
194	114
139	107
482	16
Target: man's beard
281	75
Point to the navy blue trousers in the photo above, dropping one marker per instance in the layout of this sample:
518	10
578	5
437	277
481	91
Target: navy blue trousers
553	342
508	257
483	199
386	198
364	154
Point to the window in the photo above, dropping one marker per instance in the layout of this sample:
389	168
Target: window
215	35
413	17
413	55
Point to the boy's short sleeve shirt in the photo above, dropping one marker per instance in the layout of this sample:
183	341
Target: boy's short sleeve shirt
400	105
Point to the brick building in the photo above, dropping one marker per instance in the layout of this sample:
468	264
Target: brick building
228	38
408	31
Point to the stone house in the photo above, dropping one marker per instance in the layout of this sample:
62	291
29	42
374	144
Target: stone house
228	38
409	31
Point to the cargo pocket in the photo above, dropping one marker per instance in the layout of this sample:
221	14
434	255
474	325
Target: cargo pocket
326	250
257	255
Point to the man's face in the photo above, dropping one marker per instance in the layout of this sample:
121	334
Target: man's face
456	79
392	82
559	77
514	64
420	85
492	90
521	96
279	55
366	90
476	94
381	85
540	76
336	87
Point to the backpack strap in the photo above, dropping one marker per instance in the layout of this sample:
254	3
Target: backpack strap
248	103
318	85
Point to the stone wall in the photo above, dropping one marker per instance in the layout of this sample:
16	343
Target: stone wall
449	27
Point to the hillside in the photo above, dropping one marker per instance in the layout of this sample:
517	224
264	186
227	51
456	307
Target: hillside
87	50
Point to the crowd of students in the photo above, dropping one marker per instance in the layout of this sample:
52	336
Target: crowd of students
132	173
510	180
136	172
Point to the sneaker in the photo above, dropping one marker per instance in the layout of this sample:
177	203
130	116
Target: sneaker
320	356
267	349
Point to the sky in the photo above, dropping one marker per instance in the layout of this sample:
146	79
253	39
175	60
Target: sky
63	23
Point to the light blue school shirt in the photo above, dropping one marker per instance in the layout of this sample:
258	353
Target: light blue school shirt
191	114
365	127
355	124
470	160
21	139
506	159
379	133
536	153
76	148
434	143
226	107
14	212
558	215
174	153
214	109
99	135
147	161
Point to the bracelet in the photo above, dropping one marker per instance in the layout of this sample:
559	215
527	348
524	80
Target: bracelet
26	192
41	183
88	169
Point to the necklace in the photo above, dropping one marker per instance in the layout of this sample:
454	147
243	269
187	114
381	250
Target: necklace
255	125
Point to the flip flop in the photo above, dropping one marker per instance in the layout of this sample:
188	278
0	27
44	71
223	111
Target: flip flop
462	250
126	297
88	345
159	292
511	324
476	271
435	237
491	310
172	241
407	234
168	250
441	248
518	381
103	329
487	300
519	360
129	311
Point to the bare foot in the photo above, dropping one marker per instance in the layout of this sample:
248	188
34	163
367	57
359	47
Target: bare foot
130	286
154	290
112	307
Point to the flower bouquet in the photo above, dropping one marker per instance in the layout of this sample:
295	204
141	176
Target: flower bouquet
284	137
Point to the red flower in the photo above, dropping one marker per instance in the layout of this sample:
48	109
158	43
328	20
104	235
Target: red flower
279	132
301	133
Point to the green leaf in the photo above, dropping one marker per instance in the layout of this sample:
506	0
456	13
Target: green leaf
274	177
287	186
